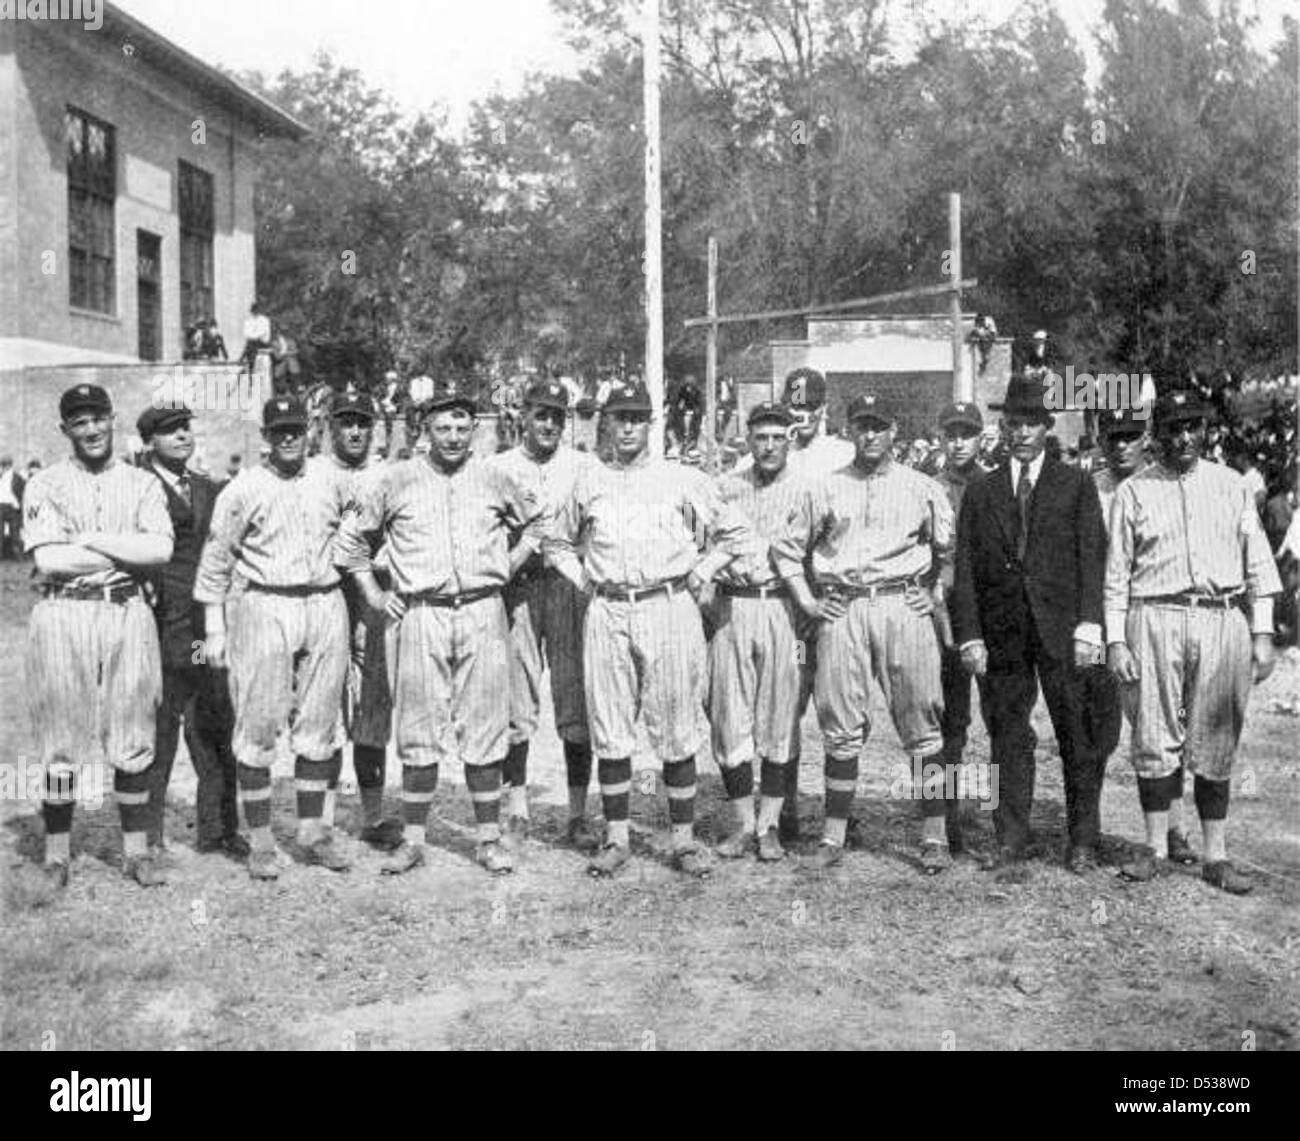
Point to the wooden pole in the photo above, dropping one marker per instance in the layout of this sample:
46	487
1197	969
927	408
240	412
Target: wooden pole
834	307
962	385
654	301
711	366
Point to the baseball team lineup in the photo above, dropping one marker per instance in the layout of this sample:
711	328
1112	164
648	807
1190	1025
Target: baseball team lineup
339	602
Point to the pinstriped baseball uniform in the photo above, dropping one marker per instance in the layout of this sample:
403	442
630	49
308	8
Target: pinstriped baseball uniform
546	610
94	673
865	530
367	702
449	667
1194	533
754	663
643	525
288	651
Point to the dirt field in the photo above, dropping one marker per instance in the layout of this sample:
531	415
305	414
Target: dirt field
870	955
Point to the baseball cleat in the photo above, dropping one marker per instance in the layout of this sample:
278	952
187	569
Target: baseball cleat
769	847
386	835
1180	851
402	859
1143	866
608	860
827	855
263	865
1223	875
1082	860
582	835
55	873
694	861
737	845
327	852
493	857
788	827
935	857
145	870
514	831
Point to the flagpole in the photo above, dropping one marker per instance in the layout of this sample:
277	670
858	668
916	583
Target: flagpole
654	301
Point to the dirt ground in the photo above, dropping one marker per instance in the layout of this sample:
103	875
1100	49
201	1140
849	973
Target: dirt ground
870	955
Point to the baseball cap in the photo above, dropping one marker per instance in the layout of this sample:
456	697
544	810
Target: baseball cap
769	410
547	394
352	403
84	398
628	396
870	406
450	393
162	419
1119	421
1172	407
805	389
962	412
284	412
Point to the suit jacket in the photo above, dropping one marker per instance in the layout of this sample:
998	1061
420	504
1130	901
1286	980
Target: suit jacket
180	619
1007	602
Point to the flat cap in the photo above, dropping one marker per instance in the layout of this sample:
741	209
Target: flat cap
162	418
84	398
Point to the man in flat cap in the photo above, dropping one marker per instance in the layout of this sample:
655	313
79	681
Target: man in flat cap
193	692
447	520
275	527
546	617
1190	583
96	527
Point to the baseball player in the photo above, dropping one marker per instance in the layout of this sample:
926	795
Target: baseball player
94	525
192	692
813	455
878	535
447	520
367	704
1186	550
275	527
643	521
961	424
754	672
546	616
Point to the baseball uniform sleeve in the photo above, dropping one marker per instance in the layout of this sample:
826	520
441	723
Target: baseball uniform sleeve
521	510
805	521
361	528
561	533
941	531
217	563
152	516
43	519
1262	579
1119	562
727	531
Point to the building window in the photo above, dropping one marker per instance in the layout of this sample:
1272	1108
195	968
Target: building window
92	192
197	216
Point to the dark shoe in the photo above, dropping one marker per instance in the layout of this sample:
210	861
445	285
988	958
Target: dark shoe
1180	851
582	836
1082	860
769	847
1143	866
608	860
935	857
263	865
1223	875
788	827
402	859
514	831
693	861
737	845
826	856
386	835
145	870
1009	863
234	846
55	873
328	853
493	857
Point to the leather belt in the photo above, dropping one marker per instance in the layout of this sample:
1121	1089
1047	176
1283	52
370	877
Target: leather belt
452	601
776	591
1208	601
635	594
292	591
122	592
874	590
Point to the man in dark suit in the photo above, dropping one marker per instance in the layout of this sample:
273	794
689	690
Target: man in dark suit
191	690
1027	611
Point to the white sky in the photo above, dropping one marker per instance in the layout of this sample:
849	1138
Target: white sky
455	51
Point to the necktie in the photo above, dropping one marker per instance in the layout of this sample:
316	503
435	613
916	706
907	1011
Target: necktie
1023	491
183	486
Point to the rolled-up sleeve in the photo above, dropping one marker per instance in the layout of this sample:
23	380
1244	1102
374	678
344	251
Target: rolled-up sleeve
790	547
728	533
